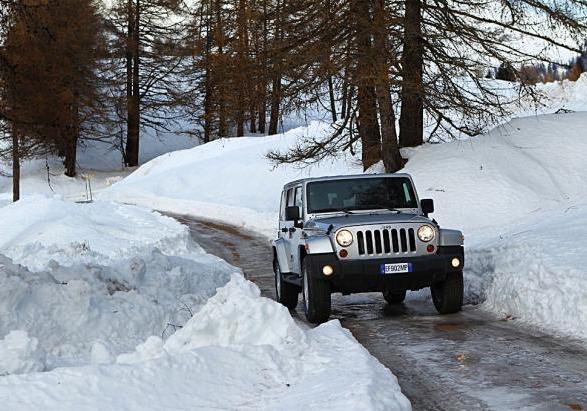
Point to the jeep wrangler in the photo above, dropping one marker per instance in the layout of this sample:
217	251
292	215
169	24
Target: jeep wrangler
363	233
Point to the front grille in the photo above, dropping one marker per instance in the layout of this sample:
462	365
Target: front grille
394	241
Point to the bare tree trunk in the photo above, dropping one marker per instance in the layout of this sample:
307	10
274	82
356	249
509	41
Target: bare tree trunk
345	93
70	156
134	102
263	80
129	61
390	154
72	137
240	68
412	113
15	166
332	99
208	93
253	119
275	103
276	82
220	82
367	100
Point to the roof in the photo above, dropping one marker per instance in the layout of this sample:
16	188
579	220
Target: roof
344	177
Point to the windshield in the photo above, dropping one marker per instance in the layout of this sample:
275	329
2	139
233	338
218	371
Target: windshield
360	194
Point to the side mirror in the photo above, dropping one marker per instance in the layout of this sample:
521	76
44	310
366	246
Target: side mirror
427	205
292	213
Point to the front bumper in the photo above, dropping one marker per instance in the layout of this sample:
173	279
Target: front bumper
357	276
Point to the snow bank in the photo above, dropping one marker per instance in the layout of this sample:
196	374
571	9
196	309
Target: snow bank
101	277
528	167
519	195
107	286
485	185
38	229
536	272
240	351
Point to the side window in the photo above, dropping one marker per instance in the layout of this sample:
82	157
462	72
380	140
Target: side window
290	197
298	198
282	207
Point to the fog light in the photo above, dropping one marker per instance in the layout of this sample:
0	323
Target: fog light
327	270
455	262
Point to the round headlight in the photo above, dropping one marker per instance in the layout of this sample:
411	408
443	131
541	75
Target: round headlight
344	238
426	233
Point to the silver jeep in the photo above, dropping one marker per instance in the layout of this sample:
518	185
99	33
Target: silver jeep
363	233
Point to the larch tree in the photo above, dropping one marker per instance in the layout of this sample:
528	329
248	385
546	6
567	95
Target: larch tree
51	92
446	42
146	62
423	59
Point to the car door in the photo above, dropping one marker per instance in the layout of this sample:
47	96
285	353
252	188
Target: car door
280	243
283	247
295	232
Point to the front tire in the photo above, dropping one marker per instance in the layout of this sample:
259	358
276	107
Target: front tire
394	297
316	295
447	296
286	293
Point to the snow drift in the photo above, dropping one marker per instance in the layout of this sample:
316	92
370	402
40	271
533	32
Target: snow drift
96	279
39	229
123	311
240	351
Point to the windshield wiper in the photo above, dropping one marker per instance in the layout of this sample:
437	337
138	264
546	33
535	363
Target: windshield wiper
382	207
333	210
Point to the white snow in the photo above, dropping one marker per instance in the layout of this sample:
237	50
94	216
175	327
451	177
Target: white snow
240	351
511	191
20	353
96	279
102	287
100	232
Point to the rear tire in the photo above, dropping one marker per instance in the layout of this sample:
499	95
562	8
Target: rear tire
316	295
394	297
286	293
447	296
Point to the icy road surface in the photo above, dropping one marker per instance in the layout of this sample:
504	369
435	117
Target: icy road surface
466	361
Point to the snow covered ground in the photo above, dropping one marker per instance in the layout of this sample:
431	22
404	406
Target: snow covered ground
97	295
99	166
510	191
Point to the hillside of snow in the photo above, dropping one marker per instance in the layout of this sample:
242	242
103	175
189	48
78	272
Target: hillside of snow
517	192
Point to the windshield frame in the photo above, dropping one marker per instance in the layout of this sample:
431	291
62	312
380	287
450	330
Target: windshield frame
410	210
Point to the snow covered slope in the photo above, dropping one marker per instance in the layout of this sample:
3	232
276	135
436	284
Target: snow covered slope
520	177
227	179
89	321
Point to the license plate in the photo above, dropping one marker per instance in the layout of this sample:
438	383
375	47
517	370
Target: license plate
395	268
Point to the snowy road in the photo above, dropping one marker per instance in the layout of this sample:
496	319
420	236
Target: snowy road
466	361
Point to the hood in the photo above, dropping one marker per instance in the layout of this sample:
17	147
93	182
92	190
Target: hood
348	220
